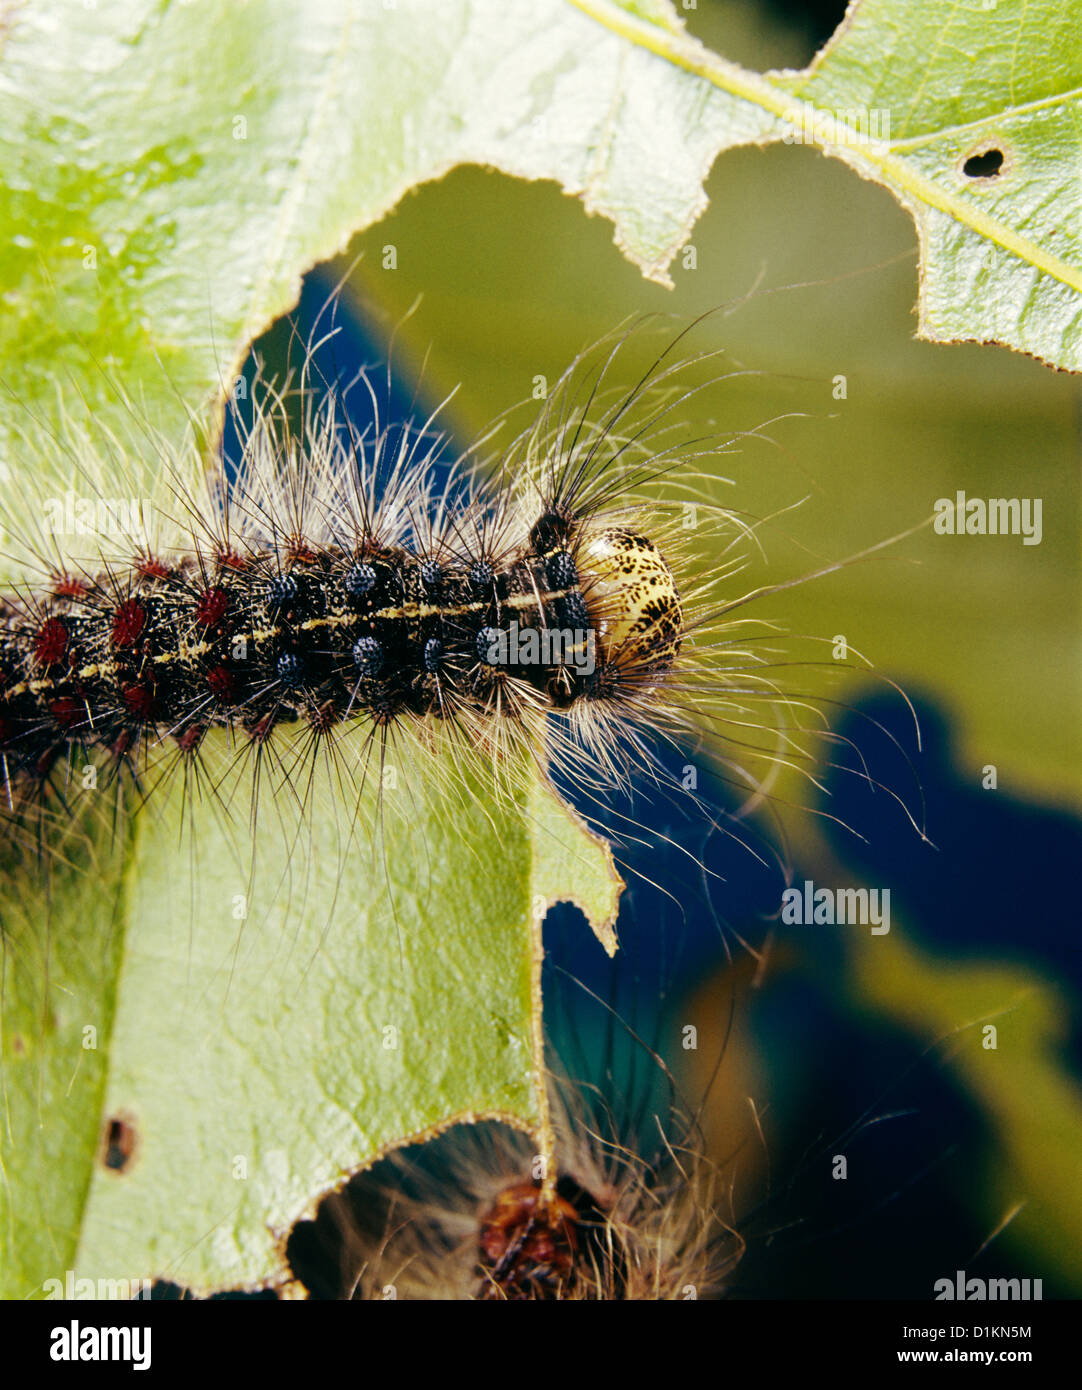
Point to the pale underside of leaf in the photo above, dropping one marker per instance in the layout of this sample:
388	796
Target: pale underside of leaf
272	1012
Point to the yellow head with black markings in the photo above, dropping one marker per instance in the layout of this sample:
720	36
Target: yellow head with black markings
633	599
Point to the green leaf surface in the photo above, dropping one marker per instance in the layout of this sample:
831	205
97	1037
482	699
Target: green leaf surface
271	1012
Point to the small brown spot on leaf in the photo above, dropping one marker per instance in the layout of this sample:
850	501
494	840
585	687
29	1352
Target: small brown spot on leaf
120	1144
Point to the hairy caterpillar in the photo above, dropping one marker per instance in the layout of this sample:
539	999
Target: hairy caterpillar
518	611
312	600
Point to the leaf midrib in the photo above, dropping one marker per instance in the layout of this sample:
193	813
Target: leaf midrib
1008	113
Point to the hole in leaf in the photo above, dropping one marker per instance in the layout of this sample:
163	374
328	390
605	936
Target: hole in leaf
985	165
120	1141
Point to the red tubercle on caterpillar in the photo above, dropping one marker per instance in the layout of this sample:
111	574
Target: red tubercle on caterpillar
51	641
230	560
67	711
129	621
221	683
150	567
323	718
188	740
212	607
138	700
260	731
44	764
68	586
122	744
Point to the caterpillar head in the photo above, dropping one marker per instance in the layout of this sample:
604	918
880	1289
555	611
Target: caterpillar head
633	599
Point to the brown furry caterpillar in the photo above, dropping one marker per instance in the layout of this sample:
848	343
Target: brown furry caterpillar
471	1223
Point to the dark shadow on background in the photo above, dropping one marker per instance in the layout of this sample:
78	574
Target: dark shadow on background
839	1081
994	883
